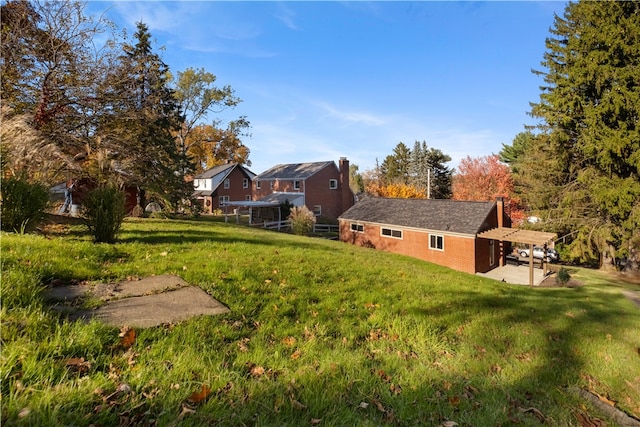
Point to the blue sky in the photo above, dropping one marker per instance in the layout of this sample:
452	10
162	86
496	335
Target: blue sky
323	80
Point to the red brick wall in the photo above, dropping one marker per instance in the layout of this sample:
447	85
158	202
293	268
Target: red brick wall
316	190
459	252
235	191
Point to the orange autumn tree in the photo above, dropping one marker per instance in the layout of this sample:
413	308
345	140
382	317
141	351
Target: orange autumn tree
484	179
397	190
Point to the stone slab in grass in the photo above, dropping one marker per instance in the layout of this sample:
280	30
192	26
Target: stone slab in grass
148	302
157	309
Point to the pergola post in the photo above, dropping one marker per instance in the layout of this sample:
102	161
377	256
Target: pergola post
531	264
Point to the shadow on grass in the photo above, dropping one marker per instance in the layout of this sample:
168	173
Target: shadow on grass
569	318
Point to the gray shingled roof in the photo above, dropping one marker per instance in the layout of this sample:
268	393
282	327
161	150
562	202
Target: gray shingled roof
435	214
293	170
226	169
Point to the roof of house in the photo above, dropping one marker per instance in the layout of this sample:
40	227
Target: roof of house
217	175
453	216
293	170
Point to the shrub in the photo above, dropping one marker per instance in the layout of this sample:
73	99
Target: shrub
302	220
103	212
23	204
563	276
285	208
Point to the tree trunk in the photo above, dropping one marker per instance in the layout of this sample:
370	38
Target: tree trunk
632	264
607	261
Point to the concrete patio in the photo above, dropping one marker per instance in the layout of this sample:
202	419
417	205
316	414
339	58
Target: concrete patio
515	274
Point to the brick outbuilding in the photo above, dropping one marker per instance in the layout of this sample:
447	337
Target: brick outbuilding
440	231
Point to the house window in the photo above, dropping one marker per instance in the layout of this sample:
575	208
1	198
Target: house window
296	185
227	183
245	183
257	185
247	197
436	241
357	228
223	200
317	210
333	184
390	232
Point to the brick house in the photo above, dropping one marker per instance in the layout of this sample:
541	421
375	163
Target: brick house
443	232
222	183
324	186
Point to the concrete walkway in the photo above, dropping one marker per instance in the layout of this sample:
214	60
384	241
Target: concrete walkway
515	274
144	303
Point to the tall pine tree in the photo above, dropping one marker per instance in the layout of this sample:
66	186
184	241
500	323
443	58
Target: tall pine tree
590	106
146	118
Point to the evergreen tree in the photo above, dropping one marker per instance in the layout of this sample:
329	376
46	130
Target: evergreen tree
395	167
590	106
514	153
145	119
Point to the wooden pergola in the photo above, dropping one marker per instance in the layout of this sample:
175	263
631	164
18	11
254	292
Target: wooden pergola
530	237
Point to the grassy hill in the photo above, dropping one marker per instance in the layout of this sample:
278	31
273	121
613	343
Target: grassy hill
320	333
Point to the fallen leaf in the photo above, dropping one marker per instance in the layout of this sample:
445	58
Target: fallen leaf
78	365
289	341
454	401
127	337
185	411
536	412
165	253
395	388
257	371
297	404
315	421
363	405
448	424
24	412
296	355
199	396
587	421
606	400
379	405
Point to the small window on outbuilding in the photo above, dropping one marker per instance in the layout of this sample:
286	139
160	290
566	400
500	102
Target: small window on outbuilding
257	185
245	183
357	228
227	183
317	210
333	184
390	232
296	185
436	241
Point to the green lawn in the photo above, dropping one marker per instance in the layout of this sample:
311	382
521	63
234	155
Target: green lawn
320	333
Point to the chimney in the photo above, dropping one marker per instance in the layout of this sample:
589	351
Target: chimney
501	248
500	206
346	195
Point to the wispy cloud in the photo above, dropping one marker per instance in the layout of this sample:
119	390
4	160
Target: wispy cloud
350	117
287	16
206	27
